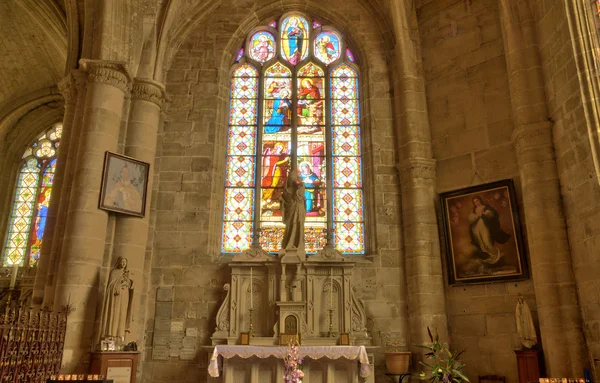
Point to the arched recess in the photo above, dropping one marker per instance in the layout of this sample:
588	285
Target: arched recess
371	52
172	32
20	125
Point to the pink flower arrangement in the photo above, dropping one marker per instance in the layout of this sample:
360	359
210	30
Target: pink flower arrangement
291	369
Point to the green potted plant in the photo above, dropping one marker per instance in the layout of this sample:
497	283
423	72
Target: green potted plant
445	365
396	362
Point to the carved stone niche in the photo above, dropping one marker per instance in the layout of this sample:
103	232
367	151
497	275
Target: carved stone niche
291	293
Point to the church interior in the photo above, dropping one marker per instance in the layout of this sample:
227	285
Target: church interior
266	191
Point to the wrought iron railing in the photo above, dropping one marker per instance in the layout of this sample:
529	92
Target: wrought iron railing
31	344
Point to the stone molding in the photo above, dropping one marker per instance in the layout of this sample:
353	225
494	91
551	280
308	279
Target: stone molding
532	136
416	168
148	90
113	73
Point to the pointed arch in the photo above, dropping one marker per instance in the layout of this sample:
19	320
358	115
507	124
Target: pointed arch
306	117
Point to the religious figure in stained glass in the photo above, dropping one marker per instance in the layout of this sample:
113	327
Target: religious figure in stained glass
288	138
327	47
311	181
263	46
31	200
310	104
294	36
280	117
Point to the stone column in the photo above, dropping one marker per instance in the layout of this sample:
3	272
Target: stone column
556	295
425	283
82	253
131	233
54	249
69	91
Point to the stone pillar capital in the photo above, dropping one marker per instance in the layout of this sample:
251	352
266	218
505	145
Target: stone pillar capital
416	168
532	136
113	73
148	90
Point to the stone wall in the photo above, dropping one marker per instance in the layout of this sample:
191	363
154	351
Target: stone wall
471	125
190	169
566	83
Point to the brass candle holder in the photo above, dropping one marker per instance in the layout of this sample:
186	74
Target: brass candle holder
251	327
330	332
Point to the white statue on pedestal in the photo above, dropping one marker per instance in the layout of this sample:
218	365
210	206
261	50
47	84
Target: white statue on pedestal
525	327
118	299
294	213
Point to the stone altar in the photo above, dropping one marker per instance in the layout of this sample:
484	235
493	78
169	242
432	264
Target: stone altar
255	364
291	290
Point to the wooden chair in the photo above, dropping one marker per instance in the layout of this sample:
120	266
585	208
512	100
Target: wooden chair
492	378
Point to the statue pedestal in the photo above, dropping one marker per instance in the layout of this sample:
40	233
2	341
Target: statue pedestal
528	364
119	366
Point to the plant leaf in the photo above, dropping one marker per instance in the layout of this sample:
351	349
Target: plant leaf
429	332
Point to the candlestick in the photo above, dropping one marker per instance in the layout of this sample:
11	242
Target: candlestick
251	303
13	278
251	327
330	333
331	288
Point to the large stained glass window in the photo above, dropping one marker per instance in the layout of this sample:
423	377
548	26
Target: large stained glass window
294	105
31	200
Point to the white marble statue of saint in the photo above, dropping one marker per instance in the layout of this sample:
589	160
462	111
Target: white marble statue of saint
118	299
294	213
525	327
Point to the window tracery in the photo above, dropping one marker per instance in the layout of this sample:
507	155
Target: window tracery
294	105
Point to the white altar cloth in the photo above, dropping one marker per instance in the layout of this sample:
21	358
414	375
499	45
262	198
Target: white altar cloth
358	353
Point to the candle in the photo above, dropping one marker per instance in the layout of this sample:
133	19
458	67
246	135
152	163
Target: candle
13	278
331	288
251	305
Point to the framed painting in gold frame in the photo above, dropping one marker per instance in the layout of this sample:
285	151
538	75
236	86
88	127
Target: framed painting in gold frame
124	185
482	234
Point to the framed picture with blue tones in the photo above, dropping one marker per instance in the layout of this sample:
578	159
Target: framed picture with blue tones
124	185
482	234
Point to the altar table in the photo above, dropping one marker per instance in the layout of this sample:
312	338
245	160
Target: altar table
321	364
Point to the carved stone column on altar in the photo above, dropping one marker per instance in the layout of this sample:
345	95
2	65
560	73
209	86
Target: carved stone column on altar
85	231
556	295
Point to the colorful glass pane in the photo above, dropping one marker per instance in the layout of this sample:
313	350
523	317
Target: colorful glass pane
348	205
348	214
293	134
239	55
240	171
43	203
273	24
45	149
349	237
271	236
262	46
350	56
347	172
239	205
327	47
241	161
27	153
242	141
294	39
346	141
237	236
22	213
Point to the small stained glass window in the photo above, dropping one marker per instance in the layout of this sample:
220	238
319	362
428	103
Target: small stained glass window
350	56
306	118
239	55
32	200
